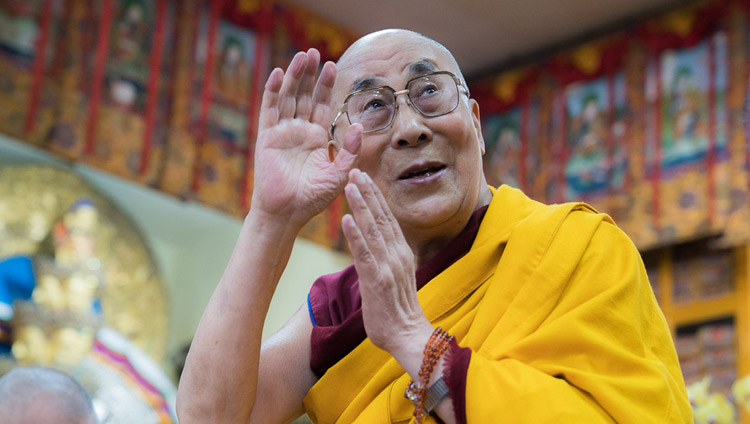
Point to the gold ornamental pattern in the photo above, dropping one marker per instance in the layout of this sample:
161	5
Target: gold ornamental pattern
134	300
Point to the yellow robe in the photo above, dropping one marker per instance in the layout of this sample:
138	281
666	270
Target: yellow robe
555	304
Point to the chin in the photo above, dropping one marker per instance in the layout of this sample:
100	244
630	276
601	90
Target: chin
433	214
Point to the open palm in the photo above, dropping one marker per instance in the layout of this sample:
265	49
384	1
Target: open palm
294	178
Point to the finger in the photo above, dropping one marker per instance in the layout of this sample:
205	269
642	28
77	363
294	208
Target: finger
393	235
269	113
365	221
364	261
290	86
321	99
395	227
304	96
347	158
380	212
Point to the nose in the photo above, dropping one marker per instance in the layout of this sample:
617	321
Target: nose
409	127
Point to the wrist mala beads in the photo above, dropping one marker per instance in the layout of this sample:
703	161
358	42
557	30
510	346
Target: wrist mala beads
434	349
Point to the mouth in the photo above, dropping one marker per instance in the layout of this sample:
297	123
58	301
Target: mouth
421	171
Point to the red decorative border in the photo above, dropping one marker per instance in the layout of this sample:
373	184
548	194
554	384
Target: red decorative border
102	47
208	75
152	88
45	19
261	45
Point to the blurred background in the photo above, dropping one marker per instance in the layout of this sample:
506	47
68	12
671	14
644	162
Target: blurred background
127	130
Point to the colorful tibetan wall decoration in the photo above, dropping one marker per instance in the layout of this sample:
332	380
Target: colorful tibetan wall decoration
227	67
224	53
164	93
644	124
128	105
30	56
686	137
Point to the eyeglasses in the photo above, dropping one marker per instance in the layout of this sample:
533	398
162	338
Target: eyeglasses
433	94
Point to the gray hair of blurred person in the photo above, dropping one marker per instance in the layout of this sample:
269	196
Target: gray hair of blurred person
31	395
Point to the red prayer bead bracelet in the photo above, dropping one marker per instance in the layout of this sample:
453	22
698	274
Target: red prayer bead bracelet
434	349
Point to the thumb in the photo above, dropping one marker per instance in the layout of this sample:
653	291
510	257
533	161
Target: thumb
348	157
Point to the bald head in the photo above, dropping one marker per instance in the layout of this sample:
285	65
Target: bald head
380	45
31	395
400	35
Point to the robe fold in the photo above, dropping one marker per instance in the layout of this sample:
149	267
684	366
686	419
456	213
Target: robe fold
563	326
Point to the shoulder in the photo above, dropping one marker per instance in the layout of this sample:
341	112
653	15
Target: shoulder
333	297
580	223
566	232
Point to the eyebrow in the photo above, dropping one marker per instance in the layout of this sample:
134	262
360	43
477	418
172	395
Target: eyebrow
421	67
363	84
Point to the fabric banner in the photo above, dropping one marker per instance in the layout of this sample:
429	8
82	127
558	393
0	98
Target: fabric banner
114	104
305	30
691	133
29	47
127	133
644	124
67	135
737	207
515	121
177	174
135	88
221	118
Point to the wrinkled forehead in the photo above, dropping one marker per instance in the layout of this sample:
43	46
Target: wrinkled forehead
390	59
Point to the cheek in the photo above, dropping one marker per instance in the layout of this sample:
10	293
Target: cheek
466	149
464	139
373	161
369	158
459	124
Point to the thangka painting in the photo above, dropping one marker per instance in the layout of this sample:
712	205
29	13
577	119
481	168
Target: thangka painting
515	146
554	188
130	128
67	135
631	191
113	106
596	146
503	148
686	80
30	31
176	176
220	114
534	173
692	137
737	205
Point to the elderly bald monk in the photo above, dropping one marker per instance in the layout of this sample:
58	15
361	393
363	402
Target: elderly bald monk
38	395
464	304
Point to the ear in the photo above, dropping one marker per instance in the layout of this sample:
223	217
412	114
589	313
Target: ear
476	121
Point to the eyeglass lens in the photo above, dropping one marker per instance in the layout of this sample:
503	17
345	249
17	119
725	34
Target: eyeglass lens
431	95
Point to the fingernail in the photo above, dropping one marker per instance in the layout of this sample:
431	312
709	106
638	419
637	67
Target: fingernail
369	180
360	178
352	190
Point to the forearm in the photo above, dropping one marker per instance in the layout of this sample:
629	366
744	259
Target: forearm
220	378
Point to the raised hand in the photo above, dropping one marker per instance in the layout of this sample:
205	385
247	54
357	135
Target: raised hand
294	177
385	266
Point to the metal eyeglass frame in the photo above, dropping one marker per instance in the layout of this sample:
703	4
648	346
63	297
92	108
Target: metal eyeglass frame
342	110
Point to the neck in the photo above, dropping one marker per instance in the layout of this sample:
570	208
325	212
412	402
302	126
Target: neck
423	252
426	243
